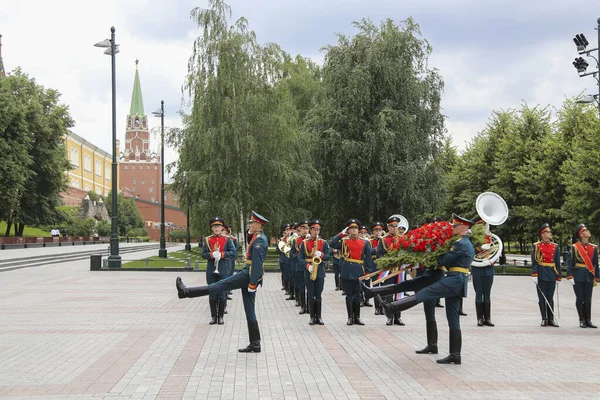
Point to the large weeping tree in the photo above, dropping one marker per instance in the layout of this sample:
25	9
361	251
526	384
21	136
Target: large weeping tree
239	147
377	126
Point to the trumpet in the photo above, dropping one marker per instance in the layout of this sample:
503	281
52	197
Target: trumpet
315	261
217	248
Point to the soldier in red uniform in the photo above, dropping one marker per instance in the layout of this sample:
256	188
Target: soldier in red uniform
391	241
546	273
356	260
219	250
583	274
308	252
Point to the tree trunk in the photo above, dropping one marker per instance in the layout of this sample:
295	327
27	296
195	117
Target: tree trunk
8	226
19	228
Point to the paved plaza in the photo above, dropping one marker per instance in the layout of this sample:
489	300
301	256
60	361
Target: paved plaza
68	332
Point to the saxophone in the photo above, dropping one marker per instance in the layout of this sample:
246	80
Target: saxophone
315	261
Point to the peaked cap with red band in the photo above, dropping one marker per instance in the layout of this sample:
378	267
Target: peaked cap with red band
458	220
315	222
376	225
256	217
544	228
217	221
580	228
353	223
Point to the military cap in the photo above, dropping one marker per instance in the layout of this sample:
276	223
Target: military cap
353	223
315	222
580	228
376	225
478	220
458	220
393	220
217	221
303	223
256	217
544	228
285	226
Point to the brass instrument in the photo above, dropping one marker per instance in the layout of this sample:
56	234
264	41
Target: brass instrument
315	261
285	246
217	248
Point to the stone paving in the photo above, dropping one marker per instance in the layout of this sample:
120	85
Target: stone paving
69	333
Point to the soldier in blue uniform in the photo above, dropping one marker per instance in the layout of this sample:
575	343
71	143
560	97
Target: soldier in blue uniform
290	267
283	258
232	261
298	266
310	249
247	280
452	287
546	273
583	274
218	249
356	260
483	279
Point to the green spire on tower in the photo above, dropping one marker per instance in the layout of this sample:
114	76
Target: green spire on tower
137	105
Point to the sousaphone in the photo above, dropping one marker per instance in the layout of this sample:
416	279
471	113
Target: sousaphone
403	222
492	208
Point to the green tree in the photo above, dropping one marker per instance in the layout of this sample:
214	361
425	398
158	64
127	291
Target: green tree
376	125
240	147
128	215
45	122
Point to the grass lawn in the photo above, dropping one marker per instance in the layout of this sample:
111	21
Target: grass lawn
154	262
27	232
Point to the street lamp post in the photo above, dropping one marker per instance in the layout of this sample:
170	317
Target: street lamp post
162	252
581	65
114	260
188	246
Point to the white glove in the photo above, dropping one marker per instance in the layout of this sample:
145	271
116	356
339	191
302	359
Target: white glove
571	281
307	236
344	231
251	290
318	254
310	268
216	255
485	246
534	279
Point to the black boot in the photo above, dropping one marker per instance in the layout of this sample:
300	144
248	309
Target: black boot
350	311
221	311
184	291
455	347
318	308
311	309
337	282
461	312
581	312
479	311
398	319
291	291
377	307
588	314
400	305
254	334
432	337
357	320
438	303
551	321
384	290
302	303
213	311
365	301
544	313
487	312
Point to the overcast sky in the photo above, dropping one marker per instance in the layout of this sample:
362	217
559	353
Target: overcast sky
491	54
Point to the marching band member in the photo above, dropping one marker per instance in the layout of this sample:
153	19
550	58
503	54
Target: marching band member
312	248
283	258
546	273
452	287
389	242
217	249
298	266
356	253
483	279
583	274
376	233
247	280
290	268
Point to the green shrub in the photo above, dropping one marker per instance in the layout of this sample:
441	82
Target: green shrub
177	235
103	228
